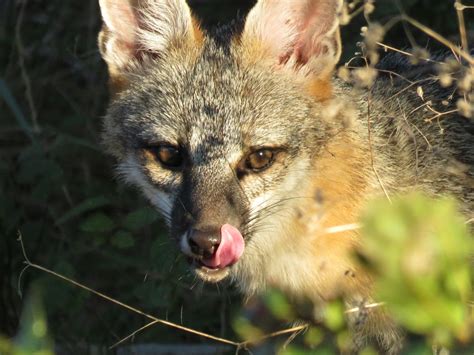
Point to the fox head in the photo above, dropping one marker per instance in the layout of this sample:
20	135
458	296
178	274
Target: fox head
220	131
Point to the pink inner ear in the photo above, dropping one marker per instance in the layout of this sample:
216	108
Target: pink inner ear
120	19
297	31
318	20
308	42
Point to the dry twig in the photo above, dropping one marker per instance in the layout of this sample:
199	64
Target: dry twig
154	320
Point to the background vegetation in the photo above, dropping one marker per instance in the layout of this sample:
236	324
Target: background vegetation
57	186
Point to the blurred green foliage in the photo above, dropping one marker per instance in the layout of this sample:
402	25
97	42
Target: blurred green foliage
57	185
32	338
421	251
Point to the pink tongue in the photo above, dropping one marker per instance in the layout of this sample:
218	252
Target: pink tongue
230	249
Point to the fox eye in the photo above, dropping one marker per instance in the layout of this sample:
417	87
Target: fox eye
169	156
260	160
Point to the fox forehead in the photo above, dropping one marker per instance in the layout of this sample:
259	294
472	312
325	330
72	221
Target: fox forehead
211	102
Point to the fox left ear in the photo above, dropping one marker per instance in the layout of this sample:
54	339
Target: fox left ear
135	29
300	35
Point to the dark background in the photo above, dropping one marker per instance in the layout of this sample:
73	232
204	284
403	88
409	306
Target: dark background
57	186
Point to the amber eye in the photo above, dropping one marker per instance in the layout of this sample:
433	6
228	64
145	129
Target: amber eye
168	155
260	160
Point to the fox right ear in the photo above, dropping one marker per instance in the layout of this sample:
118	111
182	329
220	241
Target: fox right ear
133	29
298	35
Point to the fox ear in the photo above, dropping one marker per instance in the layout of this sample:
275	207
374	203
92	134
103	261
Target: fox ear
133	29
301	35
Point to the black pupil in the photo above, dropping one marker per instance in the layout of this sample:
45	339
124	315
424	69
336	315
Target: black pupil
169	156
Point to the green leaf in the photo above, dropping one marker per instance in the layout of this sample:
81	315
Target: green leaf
85	206
139	219
98	222
313	336
123	240
278	305
334	316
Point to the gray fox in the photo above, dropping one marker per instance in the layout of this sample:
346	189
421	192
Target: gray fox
250	147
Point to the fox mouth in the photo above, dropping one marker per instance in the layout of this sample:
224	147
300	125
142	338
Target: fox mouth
213	264
209	274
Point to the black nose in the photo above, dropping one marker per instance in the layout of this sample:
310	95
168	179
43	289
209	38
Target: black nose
204	243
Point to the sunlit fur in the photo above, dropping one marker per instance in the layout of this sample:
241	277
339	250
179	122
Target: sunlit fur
218	96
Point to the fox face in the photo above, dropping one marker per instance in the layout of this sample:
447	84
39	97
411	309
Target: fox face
210	154
220	135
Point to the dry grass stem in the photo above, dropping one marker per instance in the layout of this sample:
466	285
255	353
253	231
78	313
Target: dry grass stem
155	320
121	304
460	52
408	54
296	329
462	25
438	114
342	228
121	341
365	306
460	6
